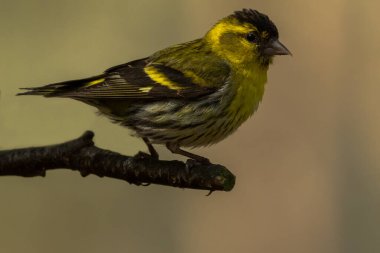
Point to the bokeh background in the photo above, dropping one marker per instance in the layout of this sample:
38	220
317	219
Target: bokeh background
307	164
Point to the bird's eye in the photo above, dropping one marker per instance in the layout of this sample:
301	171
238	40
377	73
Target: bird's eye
252	37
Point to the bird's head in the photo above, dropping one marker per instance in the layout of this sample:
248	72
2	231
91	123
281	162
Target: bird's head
245	37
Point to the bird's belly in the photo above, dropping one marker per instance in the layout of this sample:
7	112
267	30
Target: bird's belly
192	135
189	125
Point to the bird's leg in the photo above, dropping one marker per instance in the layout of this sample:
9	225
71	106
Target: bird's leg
152	151
174	148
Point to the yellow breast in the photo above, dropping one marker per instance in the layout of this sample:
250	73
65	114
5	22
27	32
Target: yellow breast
249	89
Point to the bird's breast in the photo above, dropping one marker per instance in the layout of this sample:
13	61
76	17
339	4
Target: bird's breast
248	87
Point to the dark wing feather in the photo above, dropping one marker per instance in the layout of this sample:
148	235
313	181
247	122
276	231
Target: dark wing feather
143	80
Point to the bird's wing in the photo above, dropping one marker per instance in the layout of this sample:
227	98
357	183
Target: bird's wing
141	79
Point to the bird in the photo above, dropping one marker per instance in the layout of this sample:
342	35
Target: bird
191	94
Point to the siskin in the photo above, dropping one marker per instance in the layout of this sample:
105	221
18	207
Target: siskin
188	95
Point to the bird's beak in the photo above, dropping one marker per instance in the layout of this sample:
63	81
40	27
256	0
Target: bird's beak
275	47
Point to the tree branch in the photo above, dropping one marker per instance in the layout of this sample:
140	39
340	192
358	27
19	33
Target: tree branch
82	155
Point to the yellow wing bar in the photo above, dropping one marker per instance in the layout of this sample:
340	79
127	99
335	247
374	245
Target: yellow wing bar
160	78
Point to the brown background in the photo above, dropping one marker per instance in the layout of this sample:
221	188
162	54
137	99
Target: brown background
307	164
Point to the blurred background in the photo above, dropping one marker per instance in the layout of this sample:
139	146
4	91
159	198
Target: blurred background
307	163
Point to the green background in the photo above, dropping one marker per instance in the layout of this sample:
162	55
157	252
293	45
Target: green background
307	164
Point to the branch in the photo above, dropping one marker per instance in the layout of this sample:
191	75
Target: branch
82	155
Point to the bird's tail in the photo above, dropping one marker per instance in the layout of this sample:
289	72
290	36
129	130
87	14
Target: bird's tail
62	89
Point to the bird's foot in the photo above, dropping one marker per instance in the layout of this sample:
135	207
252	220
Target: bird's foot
143	155
190	163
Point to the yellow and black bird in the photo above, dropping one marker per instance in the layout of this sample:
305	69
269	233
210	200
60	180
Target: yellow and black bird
188	95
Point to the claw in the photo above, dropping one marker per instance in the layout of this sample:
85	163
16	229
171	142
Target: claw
204	161
175	148
211	191
192	162
142	155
